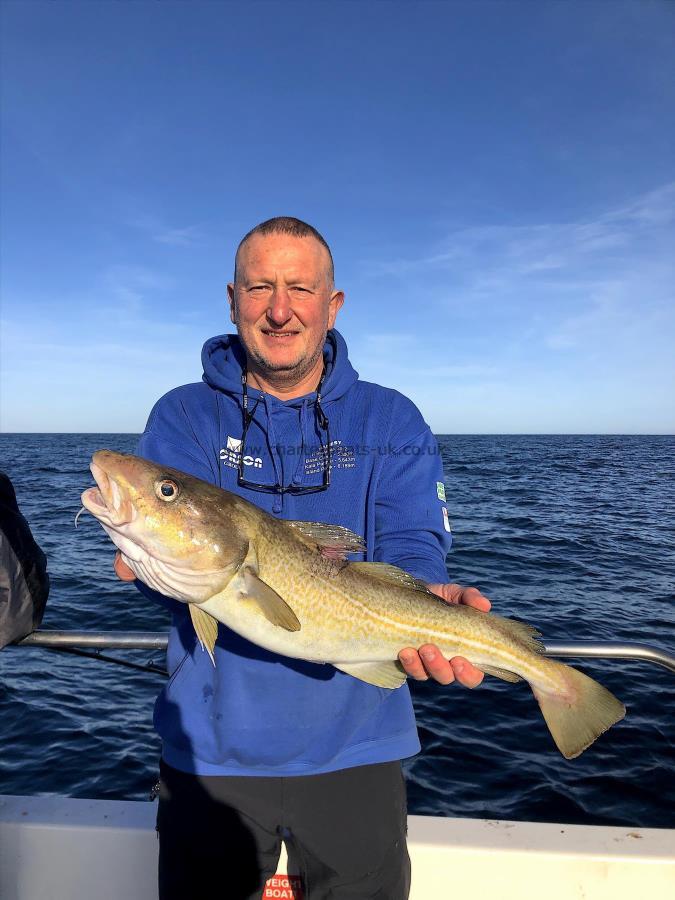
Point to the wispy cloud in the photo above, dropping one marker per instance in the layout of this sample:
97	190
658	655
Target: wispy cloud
413	357
521	325
622	314
98	359
618	266
487	256
174	236
180	237
128	290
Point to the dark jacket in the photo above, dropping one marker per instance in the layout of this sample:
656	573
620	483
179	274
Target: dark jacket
24	583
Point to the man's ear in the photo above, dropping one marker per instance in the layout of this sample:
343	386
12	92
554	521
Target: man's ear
233	303
334	306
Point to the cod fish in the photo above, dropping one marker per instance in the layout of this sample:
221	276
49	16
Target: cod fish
288	587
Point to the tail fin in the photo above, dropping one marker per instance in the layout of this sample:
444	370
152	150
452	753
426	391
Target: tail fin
580	714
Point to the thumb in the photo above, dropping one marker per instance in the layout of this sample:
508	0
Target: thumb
122	570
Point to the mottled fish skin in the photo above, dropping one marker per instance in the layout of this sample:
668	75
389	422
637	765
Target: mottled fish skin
289	588
349	616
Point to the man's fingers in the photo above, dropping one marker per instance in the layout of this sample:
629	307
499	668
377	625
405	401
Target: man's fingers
455	593
411	662
465	673
429	662
122	570
436	665
471	596
451	592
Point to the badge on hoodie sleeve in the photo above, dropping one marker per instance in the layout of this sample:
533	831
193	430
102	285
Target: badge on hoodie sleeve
440	491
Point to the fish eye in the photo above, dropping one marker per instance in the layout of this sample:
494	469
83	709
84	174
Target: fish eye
166	489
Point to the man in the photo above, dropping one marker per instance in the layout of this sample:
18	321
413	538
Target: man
263	746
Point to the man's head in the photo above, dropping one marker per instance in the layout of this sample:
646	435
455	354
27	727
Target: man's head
283	298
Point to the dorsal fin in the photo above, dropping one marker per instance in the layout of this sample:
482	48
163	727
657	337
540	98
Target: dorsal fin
391	575
521	631
333	541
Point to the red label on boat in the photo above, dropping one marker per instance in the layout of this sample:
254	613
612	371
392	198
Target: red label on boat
283	887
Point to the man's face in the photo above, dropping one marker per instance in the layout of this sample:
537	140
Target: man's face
283	302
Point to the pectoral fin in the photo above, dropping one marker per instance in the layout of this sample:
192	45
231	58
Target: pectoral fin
206	628
387	674
273	607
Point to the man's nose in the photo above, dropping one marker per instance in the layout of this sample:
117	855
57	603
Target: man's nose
279	311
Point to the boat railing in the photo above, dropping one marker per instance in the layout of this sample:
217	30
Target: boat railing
91	643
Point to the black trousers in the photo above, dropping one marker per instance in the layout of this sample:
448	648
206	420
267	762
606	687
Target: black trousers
220	837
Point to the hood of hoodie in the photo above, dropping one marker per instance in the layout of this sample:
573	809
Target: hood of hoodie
224	359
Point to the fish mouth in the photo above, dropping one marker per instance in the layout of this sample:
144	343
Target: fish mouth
106	501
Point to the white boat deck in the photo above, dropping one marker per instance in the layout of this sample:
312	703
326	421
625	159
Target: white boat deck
63	849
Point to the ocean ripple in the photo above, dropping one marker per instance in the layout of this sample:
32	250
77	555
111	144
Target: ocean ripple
567	533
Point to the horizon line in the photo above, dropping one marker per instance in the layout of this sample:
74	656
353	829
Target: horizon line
435	433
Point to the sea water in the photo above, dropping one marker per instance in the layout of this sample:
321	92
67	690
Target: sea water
573	534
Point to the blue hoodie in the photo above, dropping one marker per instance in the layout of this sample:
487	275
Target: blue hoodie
257	713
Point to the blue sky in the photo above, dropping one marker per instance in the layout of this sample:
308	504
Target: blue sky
497	181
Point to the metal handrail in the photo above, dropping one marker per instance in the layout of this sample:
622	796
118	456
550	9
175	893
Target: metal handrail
110	640
152	640
611	650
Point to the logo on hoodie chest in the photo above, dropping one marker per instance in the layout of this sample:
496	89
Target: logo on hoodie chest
231	452
341	457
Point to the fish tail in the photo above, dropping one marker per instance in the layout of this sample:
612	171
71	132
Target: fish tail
578	712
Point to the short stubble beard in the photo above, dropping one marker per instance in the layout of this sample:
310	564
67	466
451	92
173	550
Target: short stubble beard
283	374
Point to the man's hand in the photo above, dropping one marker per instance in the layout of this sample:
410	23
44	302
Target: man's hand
429	661
122	570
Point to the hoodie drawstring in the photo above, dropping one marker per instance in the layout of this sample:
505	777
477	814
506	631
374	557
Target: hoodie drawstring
272	443
297	475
